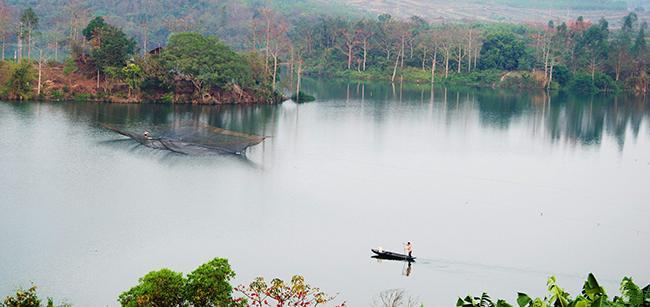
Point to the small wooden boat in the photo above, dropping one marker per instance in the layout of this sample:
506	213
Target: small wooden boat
391	255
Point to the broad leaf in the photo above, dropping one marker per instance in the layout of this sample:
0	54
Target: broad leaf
523	299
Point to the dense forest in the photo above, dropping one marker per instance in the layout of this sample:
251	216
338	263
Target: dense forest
274	39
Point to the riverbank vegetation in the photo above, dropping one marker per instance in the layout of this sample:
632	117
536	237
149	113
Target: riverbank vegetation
266	50
581	55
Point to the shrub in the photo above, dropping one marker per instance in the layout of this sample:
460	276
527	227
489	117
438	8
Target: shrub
81	97
582	83
19	83
23	298
167	98
69	66
605	83
57	95
561	74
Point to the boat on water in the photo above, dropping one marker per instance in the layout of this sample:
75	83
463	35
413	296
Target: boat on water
382	254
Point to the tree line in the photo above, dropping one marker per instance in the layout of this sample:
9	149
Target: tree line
593	56
581	54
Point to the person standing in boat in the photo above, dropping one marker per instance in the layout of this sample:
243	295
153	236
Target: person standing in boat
409	249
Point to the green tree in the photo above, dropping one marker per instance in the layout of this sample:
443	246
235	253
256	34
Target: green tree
640	43
93	27
162	288
206	62
592	45
502	51
209	284
29	22
132	75
20	82
112	48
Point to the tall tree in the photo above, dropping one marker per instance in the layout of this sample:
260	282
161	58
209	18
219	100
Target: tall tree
591	47
29	22
5	25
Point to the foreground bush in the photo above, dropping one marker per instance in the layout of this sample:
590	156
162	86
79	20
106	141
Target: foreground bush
27	298
278	293
593	295
208	285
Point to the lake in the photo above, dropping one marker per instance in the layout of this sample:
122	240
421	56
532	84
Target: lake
497	190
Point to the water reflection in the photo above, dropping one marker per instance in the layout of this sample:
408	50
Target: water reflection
559	117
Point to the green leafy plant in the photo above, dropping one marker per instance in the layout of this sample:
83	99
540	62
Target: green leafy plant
209	284
592	295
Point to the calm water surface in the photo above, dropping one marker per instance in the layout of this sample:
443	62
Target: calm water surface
497	191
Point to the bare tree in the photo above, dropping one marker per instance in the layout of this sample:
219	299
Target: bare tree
347	40
394	298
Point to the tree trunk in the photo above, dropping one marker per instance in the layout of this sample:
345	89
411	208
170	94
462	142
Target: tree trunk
349	56
476	52
29	44
460	57
402	53
550	76
447	54
433	65
20	46
3	50
365	53
268	42
618	66
392	79
275	69
299	79
546	53
593	69
469	54
424	59
40	69
144	43
56	51
97	78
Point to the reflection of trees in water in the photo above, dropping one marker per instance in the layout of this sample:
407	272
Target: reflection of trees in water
248	119
561	117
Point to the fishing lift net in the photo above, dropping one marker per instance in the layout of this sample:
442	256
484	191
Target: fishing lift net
190	139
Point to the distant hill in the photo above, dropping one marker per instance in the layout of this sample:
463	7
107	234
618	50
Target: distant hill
518	11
